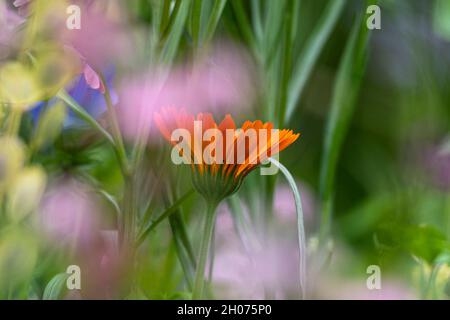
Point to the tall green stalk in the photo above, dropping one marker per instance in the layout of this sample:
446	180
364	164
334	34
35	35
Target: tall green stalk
349	77
205	245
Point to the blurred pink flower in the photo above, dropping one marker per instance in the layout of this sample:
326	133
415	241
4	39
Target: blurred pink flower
103	267
284	204
247	275
247	271
100	40
69	214
9	26
218	82
224	221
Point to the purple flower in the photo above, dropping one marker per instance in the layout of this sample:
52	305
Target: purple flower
87	90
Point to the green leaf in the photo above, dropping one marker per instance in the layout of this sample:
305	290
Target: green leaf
216	13
56	287
441	18
111	200
348	81
84	115
272	30
173	39
300	224
165	15
287	45
172	209
256	19
244	24
49	126
311	53
442	258
183	246
196	21
423	241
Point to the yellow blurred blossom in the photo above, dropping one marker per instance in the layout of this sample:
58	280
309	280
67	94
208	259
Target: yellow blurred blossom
12	157
18	254
25	192
19	86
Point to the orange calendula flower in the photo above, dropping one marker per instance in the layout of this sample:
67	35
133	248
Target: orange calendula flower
220	155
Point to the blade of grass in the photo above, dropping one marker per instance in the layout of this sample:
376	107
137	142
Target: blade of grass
256	19
79	111
300	224
157	14
169	211
286	62
171	21
182	247
272	30
165	15
244	25
56	287
310	55
348	81
196	14
213	21
179	228
115	128
175	32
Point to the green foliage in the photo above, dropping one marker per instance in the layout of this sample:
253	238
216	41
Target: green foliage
56	288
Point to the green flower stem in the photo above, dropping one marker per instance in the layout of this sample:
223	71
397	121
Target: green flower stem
204	250
117	135
128	228
13	126
300	224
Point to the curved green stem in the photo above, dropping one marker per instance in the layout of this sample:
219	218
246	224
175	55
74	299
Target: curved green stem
117	135
300	224
204	250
